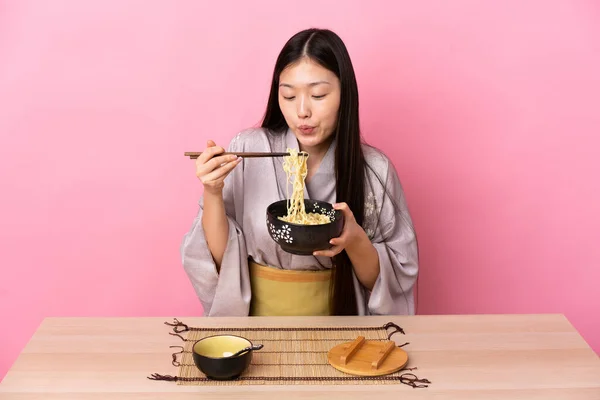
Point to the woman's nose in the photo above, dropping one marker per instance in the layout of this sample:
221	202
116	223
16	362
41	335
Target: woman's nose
303	107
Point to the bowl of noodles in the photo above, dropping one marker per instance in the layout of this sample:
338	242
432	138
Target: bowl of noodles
302	226
302	233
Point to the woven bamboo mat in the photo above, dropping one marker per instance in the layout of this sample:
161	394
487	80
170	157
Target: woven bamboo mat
289	356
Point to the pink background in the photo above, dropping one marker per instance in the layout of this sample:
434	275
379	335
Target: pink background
490	111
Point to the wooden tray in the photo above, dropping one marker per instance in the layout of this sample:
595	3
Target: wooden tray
367	357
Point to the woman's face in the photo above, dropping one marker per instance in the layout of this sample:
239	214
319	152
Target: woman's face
309	98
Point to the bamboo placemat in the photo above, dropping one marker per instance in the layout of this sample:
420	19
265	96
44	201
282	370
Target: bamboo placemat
289	356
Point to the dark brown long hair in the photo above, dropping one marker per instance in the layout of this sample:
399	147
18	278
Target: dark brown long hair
327	49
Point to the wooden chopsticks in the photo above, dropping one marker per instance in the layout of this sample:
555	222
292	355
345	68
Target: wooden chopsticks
193	155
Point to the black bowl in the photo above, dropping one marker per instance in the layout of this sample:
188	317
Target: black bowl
304	239
212	356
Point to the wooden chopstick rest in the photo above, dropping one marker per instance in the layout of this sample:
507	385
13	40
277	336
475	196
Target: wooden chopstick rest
352	349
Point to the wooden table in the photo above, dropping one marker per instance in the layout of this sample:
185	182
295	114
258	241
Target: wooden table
465	357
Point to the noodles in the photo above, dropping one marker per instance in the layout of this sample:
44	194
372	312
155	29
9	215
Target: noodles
296	169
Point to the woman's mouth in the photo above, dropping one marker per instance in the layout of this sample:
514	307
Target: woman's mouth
306	129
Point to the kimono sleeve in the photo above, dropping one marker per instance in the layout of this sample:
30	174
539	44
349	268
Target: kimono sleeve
396	244
227	292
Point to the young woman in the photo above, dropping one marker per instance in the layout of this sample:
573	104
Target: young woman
234	265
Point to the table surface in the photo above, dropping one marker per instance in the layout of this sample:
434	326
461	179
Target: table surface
464	356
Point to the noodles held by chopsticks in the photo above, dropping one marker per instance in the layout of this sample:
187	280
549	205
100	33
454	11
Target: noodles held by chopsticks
295	166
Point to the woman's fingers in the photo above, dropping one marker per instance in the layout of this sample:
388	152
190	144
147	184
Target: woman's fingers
332	252
343	207
209	153
337	241
214	163
219	174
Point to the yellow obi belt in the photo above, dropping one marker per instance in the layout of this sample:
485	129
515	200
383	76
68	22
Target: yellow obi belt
279	292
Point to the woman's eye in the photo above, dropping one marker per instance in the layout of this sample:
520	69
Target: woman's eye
289	98
319	97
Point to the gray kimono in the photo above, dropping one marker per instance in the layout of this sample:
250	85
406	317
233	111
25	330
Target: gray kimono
258	182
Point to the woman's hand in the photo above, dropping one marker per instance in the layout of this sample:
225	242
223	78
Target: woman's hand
212	168
358	246
351	234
